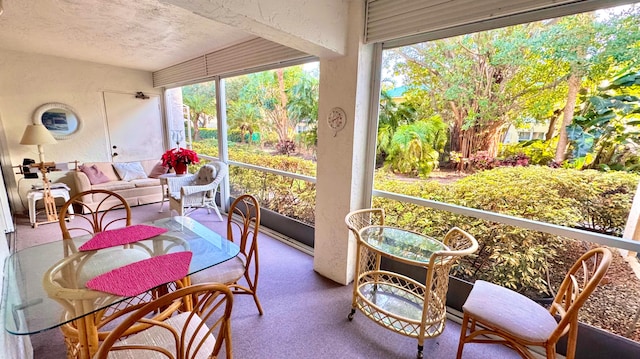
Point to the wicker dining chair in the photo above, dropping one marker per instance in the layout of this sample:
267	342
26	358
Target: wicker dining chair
191	323
61	285
87	221
494	314
246	265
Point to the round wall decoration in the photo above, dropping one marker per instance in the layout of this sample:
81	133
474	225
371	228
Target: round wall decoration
60	119
337	119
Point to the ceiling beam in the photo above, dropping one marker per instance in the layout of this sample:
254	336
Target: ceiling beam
316	27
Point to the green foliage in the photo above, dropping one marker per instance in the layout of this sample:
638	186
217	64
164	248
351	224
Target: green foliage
208	133
514	257
605	135
415	148
201	100
483	81
539	152
291	197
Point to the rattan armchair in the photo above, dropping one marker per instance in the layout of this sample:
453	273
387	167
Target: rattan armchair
246	264
191	192
494	314
88	221
191	323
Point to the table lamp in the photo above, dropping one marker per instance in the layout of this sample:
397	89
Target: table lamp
39	135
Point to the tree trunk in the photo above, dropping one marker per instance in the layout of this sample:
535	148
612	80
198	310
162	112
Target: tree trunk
552	125
282	113
196	128
567	117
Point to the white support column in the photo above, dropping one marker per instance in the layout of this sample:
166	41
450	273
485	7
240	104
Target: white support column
223	153
344	82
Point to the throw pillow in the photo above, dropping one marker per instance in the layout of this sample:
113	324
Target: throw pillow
130	170
158	170
205	175
94	174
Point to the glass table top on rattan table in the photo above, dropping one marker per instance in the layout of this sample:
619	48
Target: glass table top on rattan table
401	243
29	308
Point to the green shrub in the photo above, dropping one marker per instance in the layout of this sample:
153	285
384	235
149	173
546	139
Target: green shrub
514	257
291	197
539	152
208	133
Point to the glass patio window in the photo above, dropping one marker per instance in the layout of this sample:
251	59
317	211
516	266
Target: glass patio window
439	163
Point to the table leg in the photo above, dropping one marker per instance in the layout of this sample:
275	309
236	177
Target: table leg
87	336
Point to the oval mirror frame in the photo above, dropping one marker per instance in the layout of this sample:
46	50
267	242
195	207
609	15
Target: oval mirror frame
60	119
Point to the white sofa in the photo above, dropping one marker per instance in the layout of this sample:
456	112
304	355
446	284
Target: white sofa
135	192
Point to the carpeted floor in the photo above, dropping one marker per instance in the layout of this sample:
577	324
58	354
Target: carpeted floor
305	313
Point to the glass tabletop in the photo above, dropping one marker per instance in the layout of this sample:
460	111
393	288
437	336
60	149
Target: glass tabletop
29	309
401	243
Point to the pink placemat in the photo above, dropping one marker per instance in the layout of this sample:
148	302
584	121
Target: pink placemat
139	277
120	236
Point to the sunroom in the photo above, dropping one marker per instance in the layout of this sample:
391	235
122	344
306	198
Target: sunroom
346	41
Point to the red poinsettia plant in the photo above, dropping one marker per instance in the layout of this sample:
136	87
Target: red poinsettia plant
179	155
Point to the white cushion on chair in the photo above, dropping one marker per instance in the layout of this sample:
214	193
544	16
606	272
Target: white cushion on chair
509	311
161	337
226	272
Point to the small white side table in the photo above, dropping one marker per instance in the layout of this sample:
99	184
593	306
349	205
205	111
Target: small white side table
36	194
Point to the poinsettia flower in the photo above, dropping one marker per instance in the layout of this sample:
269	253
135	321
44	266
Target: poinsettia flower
179	155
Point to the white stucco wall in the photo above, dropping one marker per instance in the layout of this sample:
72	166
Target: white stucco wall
344	82
30	80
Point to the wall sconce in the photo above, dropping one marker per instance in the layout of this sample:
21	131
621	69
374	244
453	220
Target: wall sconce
140	94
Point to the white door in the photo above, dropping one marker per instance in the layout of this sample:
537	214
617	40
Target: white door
135	126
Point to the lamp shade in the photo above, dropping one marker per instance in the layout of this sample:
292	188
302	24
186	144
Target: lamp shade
37	135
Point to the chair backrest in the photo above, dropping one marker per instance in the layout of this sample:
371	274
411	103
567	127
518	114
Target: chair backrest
98	220
191	322
221	170
211	174
244	230
356	220
581	280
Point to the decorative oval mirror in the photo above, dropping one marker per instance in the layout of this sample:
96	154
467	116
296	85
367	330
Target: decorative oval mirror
62	120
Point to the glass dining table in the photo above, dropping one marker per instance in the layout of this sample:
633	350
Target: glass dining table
34	300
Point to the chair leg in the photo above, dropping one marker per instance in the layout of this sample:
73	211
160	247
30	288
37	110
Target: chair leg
463	334
255	299
215	208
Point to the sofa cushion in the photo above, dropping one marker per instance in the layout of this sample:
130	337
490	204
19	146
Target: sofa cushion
106	168
157	170
147	182
128	171
114	185
94	174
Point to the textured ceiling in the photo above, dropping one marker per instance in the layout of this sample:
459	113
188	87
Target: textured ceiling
139	34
